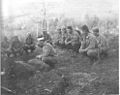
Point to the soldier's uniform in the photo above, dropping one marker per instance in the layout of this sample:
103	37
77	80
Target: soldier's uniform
29	44
16	46
74	44
64	37
102	42
46	36
58	39
49	54
5	46
89	44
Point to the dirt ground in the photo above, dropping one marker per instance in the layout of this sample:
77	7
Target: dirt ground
84	78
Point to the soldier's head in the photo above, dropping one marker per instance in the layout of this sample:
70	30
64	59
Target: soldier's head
44	32
78	31
64	30
69	29
85	30
5	38
15	38
59	30
95	31
40	42
29	35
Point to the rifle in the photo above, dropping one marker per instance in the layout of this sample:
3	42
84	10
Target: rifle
8	90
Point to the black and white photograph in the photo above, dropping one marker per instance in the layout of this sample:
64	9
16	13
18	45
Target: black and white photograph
59	47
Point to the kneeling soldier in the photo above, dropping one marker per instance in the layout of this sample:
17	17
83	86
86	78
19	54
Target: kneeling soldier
64	36
102	42
48	53
16	46
88	44
29	44
5	46
72	41
58	40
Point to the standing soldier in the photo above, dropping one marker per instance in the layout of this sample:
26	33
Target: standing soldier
102	42
88	44
29	44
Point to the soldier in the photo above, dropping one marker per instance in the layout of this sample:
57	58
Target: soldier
29	44
88	44
48	53
64	37
80	36
102	42
46	36
16	46
58	39
72	41
5	46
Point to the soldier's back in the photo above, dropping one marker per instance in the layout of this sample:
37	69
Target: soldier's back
102	41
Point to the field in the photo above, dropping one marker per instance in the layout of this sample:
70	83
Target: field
72	75
83	77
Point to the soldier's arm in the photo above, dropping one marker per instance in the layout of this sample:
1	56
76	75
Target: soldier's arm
33	42
82	47
46	51
50	38
91	44
75	37
68	40
11	45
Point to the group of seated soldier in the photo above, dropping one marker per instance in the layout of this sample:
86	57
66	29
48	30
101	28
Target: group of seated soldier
91	44
15	47
68	38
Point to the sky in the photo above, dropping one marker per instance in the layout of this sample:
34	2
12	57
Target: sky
71	8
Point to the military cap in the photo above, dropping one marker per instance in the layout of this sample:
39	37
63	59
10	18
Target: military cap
96	29
85	28
69	27
58	28
40	39
63	27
